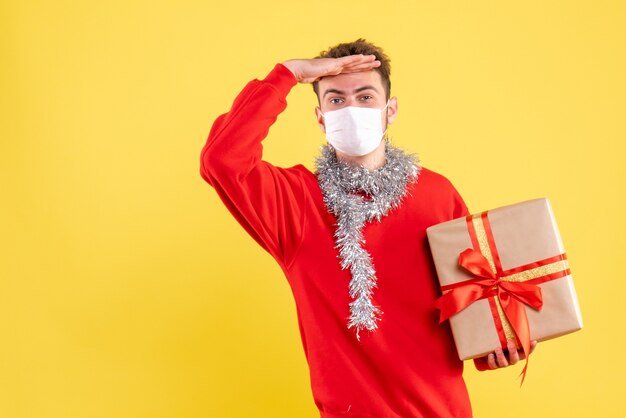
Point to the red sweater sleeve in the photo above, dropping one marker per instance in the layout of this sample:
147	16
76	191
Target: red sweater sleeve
266	200
460	210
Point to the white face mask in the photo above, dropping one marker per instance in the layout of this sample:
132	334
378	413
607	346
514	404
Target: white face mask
353	130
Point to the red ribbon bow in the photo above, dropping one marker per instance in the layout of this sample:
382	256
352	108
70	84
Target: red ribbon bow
513	296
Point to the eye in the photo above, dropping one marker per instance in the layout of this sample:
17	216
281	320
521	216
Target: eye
366	98
336	101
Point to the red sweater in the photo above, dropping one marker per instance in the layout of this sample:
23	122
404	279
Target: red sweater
409	366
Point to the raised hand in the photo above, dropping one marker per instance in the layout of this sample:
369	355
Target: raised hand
310	70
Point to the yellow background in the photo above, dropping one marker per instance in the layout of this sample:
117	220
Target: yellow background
127	289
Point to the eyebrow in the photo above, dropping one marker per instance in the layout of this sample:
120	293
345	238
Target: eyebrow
358	90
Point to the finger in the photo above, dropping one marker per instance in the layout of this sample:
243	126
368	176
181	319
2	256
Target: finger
355	59
491	361
513	353
364	60
351	62
533	344
361	67
501	358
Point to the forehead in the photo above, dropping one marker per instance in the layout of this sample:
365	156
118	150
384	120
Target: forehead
350	82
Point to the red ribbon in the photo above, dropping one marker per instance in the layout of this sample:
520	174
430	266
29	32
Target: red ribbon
513	296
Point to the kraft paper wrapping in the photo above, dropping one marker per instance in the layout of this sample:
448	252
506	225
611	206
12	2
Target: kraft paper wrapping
523	233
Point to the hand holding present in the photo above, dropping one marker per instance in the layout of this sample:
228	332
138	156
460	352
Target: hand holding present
499	359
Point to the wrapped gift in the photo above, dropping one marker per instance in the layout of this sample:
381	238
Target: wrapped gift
504	276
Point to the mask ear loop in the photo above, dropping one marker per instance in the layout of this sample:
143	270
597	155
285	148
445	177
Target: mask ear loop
385	137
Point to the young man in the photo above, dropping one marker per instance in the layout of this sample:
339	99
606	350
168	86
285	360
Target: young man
350	238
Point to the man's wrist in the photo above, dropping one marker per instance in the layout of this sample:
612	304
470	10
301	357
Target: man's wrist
292	66
281	78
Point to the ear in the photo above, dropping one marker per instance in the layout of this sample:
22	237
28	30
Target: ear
320	119
392	110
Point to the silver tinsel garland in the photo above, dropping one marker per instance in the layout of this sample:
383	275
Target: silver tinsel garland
355	196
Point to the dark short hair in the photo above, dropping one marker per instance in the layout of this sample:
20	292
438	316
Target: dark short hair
361	46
